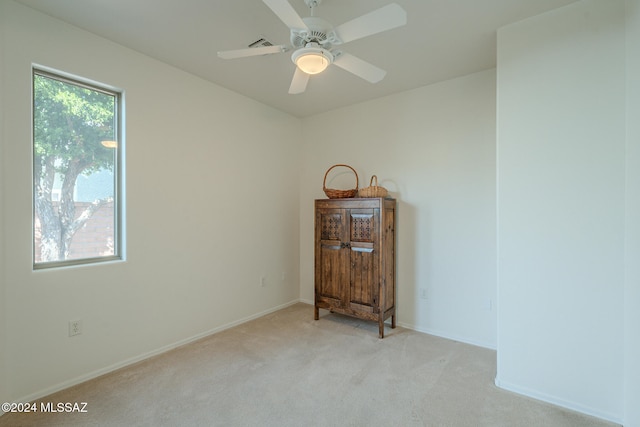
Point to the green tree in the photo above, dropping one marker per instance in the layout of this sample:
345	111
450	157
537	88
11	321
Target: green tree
70	122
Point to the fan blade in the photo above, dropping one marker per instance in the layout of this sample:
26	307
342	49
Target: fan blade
286	13
360	68
299	82
383	19
252	51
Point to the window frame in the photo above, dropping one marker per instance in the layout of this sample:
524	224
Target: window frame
118	168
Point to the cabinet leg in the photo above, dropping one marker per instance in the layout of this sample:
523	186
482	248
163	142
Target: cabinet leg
381	327
393	321
316	313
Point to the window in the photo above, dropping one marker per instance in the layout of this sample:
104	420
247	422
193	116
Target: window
77	153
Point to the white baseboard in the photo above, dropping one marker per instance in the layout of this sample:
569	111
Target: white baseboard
554	400
447	336
432	332
91	375
522	390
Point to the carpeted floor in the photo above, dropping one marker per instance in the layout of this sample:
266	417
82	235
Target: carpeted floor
285	369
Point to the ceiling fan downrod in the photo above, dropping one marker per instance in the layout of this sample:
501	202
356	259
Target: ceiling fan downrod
312	4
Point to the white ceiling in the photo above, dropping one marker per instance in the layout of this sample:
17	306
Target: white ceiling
443	39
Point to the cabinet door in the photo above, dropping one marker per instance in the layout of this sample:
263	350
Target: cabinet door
332	258
364	249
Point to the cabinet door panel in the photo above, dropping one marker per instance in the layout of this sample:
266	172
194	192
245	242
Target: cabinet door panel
362	225
331	259
364	280
332	271
332	223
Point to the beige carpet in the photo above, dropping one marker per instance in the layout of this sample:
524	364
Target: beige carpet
285	369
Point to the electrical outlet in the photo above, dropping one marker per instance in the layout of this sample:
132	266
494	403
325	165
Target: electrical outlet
75	327
263	281
423	293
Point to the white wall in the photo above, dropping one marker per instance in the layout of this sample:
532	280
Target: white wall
210	207
632	282
434	149
561	206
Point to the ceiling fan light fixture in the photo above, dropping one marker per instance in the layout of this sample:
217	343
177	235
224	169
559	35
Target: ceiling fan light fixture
312	63
312	60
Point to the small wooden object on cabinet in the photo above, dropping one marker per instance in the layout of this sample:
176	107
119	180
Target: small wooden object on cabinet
355	258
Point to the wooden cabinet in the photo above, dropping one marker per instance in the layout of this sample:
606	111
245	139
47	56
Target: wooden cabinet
355	258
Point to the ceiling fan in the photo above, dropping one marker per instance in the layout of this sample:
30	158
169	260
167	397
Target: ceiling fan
313	41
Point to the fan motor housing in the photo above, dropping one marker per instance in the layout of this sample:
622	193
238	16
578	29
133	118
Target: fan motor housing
320	32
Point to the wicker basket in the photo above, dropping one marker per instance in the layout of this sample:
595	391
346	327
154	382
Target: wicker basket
373	190
339	194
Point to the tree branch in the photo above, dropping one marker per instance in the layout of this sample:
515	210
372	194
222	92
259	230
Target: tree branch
87	214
